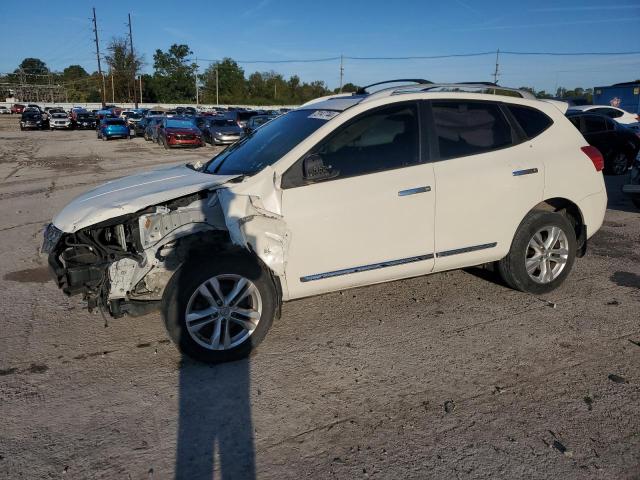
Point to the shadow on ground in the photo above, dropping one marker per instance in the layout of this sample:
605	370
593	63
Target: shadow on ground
215	431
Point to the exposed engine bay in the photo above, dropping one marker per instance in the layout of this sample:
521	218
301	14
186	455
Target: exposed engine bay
122	265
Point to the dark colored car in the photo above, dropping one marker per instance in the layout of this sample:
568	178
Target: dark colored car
84	120
151	130
223	131
141	126
618	144
258	120
240	117
113	128
31	120
179	132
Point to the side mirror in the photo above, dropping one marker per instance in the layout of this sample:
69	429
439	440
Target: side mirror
314	169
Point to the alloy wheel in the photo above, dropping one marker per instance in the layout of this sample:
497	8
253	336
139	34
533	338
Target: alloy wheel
223	312
547	254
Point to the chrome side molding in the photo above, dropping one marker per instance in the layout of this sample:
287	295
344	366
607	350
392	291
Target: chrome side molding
393	263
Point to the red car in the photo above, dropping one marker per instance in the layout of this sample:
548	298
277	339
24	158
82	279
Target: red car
179	132
17	108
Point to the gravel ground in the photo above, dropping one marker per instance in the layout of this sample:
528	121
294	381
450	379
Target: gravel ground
452	375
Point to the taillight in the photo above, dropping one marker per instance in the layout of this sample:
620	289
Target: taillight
595	156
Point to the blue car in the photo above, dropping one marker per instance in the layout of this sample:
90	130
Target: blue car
113	128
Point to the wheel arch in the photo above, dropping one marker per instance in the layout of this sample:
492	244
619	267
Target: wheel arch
573	213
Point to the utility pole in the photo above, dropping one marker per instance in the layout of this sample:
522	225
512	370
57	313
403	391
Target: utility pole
113	90
496	73
197	92
95	31
275	90
133	64
140	80
341	70
217	100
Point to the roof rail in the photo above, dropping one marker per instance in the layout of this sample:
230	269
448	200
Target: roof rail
460	86
420	81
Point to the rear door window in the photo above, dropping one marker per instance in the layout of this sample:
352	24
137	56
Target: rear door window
468	128
609	112
532	121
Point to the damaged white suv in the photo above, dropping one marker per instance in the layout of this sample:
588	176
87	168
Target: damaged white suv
345	191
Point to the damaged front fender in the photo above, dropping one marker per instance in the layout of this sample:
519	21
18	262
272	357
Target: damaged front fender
254	220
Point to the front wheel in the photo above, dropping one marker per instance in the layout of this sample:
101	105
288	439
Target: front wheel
617	164
635	199
542	253
219	309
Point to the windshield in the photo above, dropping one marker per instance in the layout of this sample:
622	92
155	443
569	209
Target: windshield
59	115
268	144
171	123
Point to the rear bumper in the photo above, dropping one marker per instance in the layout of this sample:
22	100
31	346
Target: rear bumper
593	208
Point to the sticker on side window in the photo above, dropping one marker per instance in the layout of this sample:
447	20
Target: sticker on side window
323	114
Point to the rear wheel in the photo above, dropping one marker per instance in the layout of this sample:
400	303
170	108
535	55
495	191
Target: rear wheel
542	253
220	309
636	200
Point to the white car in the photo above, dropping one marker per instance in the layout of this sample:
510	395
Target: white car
4	110
630	120
345	191
59	121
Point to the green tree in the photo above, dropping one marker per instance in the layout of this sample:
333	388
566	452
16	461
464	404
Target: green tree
174	76
231	82
121	67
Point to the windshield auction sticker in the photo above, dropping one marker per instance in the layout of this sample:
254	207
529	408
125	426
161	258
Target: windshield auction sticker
323	114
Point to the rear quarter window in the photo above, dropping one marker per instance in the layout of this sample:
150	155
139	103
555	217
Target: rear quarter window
532	121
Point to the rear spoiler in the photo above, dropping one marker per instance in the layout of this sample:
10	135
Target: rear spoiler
562	106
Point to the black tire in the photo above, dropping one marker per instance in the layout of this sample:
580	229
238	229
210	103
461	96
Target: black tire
635	199
512	268
617	163
190	277
165	144
105	138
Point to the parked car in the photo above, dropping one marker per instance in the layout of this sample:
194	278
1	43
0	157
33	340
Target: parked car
240	117
113	128
132	119
342	192
630	120
75	111
223	131
255	122
140	126
17	108
619	145
151	131
124	114
31	120
4	110
179	132
84	120
632	186
60	121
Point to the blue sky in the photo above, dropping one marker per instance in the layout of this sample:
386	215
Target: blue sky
60	34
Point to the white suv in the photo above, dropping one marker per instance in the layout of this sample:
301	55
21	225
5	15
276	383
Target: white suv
344	191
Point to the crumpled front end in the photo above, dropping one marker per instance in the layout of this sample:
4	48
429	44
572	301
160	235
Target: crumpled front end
123	264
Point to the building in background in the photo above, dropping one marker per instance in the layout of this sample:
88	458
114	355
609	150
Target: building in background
622	95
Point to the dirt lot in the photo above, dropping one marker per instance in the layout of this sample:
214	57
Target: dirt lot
447	376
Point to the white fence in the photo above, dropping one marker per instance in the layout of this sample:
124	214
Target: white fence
168	106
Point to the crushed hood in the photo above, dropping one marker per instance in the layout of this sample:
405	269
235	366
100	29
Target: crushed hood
130	194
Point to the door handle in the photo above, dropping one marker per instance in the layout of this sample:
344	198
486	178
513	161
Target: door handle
413	191
526	171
